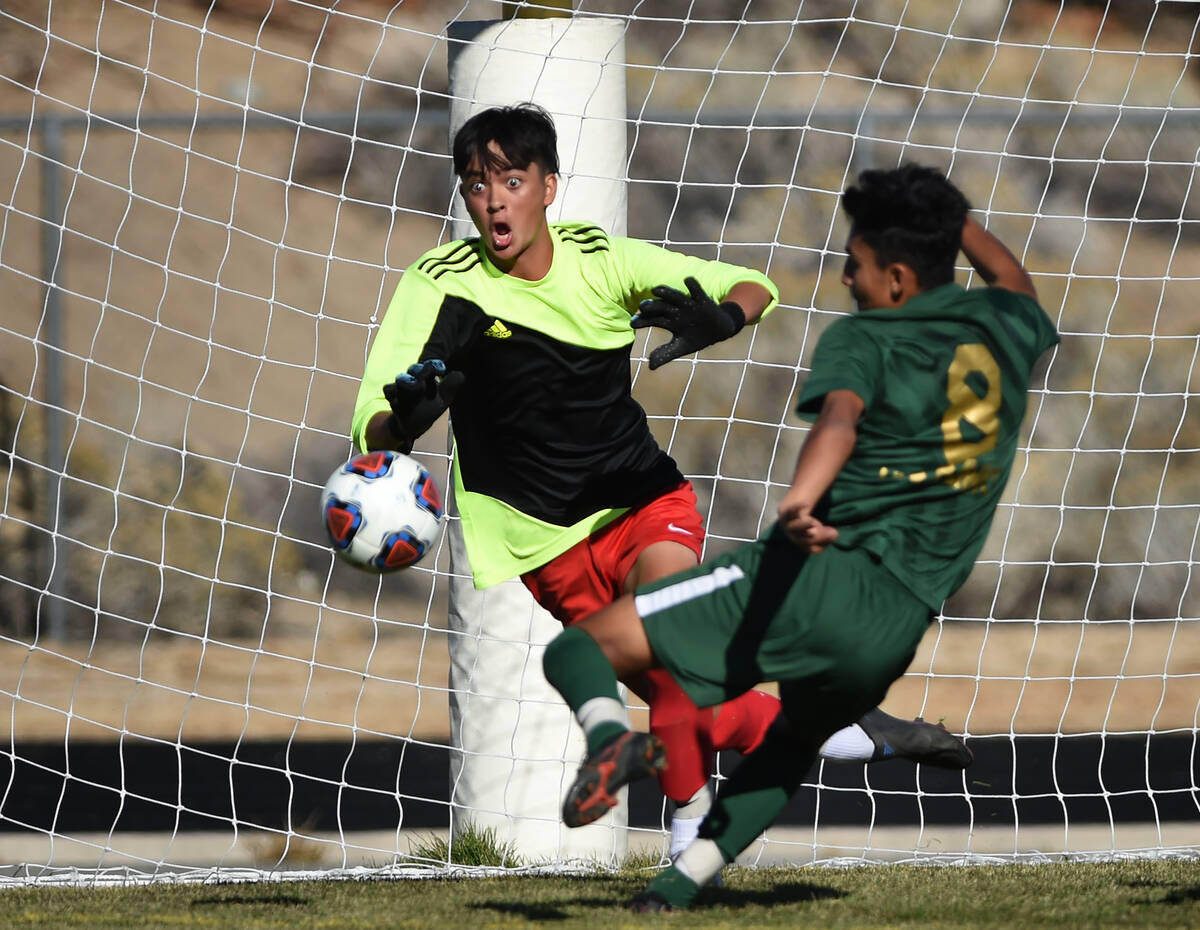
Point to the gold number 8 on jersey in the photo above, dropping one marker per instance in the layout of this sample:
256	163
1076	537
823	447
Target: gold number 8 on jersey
970	424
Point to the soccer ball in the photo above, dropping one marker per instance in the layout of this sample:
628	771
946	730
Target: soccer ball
382	511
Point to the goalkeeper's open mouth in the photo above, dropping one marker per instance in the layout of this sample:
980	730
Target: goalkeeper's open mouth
502	236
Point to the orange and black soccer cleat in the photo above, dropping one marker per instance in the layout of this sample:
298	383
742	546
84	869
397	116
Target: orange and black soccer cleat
623	759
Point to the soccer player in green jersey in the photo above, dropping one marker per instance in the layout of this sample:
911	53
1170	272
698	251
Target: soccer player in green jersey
918	400
525	333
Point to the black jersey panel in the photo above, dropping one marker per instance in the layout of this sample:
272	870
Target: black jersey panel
550	428
458	326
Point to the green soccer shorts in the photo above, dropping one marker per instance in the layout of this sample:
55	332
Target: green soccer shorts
834	629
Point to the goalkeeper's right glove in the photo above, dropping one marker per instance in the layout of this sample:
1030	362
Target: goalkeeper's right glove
417	398
694	320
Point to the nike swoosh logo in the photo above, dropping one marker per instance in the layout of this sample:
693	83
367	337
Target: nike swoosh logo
679	529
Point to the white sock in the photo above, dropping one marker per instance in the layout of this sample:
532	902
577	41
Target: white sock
702	862
697	805
600	710
685	822
683	831
849	744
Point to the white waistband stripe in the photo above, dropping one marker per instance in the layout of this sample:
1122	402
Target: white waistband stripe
688	590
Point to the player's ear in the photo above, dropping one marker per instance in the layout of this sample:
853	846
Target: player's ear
550	179
897	274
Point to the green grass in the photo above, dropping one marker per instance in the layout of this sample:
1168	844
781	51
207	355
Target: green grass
1143	894
470	847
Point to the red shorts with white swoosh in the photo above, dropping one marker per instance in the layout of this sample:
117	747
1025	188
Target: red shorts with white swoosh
591	574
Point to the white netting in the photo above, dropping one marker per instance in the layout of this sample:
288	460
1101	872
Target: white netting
206	207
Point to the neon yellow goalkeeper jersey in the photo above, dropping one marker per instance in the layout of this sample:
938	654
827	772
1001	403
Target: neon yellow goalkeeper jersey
549	443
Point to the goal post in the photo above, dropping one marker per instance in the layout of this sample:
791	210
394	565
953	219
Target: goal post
204	210
515	746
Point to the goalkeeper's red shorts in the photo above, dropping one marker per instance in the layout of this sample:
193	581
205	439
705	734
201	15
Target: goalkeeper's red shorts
591	574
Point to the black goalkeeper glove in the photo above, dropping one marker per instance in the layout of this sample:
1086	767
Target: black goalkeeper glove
695	319
418	397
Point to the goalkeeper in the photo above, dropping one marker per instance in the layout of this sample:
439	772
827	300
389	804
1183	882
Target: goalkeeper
918	401
525	333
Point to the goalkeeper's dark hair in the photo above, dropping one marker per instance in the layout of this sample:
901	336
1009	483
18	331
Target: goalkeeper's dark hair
912	215
524	132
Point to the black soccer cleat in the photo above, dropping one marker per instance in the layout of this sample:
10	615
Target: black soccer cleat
623	759
915	740
669	891
650	902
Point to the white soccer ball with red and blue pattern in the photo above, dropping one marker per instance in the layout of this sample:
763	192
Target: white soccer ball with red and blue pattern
382	511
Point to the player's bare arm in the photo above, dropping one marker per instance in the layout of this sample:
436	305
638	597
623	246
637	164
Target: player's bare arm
377	435
752	297
825	451
993	261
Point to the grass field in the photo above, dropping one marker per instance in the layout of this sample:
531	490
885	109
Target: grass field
1143	894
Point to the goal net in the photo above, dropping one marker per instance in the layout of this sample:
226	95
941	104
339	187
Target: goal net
206	207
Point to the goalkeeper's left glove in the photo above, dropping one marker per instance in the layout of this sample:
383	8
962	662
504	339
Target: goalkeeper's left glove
417	398
694	318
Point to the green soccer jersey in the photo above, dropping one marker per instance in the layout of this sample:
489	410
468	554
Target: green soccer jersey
944	380
549	442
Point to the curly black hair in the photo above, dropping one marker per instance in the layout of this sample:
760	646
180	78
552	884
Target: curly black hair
524	132
911	214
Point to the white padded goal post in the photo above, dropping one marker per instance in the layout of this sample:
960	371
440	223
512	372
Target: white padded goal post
205	208
514	745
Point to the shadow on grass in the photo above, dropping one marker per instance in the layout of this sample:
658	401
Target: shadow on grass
1186	894
242	899
781	893
530	911
1173	893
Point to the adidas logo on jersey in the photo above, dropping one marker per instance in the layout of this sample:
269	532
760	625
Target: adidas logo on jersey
497	330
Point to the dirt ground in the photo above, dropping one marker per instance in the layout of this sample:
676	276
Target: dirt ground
979	679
